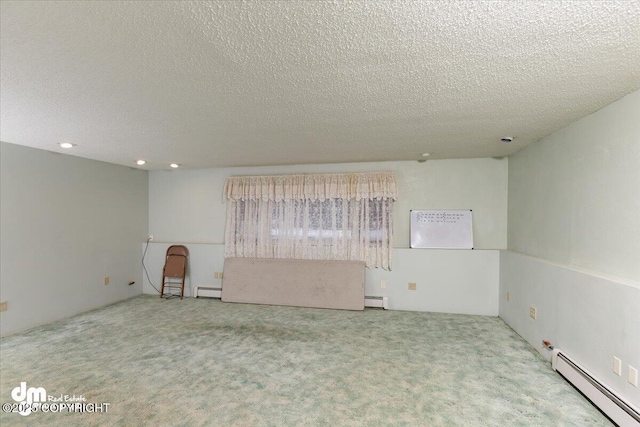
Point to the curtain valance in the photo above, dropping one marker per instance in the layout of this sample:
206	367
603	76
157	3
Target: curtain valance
373	186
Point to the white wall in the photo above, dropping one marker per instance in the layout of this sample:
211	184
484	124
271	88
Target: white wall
441	284
447	281
591	317
574	196
66	223
185	206
574	204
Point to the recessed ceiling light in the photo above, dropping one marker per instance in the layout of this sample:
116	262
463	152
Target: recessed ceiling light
140	162
67	145
174	165
425	154
507	139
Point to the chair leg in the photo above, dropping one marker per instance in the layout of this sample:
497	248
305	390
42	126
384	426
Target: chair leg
162	288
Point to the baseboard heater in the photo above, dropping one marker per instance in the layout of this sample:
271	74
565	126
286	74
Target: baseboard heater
381	302
204	291
621	412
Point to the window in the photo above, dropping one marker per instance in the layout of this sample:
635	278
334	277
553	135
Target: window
338	216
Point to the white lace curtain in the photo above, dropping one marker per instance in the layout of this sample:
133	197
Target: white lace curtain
327	216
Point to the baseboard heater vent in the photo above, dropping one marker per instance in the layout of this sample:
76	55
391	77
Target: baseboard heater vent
382	302
620	411
203	291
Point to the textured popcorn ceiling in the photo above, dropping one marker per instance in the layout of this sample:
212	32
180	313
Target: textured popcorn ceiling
261	83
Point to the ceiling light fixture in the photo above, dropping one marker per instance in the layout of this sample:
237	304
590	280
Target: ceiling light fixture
507	139
174	165
66	145
140	162
425	154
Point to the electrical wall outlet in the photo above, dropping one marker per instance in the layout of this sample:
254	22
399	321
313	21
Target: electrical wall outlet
383	284
508	296
532	313
617	366
217	275
151	237
3	306
412	286
633	376
107	279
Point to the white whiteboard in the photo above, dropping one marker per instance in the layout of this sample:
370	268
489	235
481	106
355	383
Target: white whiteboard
442	229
